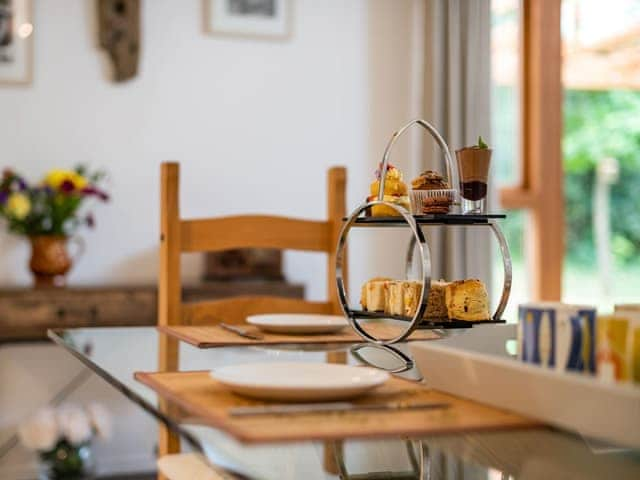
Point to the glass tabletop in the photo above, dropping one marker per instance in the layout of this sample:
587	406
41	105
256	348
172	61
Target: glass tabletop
116	354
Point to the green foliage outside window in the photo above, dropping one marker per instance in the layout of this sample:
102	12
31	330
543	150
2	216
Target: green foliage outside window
600	124
597	125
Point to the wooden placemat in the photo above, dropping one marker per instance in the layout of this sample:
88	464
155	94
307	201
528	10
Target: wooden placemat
208	401
211	336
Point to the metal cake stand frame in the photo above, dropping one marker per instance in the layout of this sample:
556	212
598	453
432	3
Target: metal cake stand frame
418	241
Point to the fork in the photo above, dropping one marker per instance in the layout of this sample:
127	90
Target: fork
240	331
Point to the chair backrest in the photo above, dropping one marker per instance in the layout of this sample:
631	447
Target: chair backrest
258	231
244	231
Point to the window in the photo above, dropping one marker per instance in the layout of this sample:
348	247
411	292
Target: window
601	151
567	159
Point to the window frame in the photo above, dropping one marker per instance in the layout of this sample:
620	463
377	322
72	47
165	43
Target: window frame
540	190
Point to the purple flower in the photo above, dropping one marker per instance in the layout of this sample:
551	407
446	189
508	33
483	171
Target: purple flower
97	192
13	182
67	186
3	197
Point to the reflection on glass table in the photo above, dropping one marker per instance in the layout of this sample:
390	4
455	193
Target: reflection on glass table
117	353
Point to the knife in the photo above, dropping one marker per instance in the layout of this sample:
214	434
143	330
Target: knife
240	331
293	408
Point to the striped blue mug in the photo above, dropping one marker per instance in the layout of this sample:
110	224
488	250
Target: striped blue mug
558	335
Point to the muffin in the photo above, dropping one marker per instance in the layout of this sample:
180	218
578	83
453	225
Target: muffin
429	180
431	194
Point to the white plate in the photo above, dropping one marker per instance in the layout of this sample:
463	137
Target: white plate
299	381
298	323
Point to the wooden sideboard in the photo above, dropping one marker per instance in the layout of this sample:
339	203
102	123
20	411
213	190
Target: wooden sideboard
26	313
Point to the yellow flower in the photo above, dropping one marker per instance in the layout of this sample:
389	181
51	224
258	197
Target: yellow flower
18	205
55	179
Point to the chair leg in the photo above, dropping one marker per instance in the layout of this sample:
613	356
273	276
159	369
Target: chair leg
168	441
329	461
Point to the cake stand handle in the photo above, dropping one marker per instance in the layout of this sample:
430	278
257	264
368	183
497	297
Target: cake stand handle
508	270
437	137
406	360
425	256
506	264
408	265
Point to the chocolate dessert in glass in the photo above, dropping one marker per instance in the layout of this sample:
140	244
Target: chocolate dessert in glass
473	167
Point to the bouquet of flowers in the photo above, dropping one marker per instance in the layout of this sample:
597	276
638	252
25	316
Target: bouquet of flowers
62	437
52	206
49	214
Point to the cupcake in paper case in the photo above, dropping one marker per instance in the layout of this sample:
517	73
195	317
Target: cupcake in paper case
431	194
433	201
558	336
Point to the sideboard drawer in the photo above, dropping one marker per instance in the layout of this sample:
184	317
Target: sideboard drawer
26	314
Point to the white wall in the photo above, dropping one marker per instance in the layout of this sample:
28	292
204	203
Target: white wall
255	125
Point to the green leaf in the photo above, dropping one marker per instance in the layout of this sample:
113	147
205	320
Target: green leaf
481	143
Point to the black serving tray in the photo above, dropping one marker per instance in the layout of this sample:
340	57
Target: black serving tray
433	219
426	323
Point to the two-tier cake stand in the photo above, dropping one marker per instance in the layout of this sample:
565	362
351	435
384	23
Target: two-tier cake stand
416	223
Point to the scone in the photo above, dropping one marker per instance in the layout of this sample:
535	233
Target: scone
467	300
436	307
395	191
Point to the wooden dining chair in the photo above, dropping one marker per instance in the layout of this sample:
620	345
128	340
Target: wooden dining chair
244	231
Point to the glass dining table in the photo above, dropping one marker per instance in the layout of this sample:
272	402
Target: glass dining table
116	354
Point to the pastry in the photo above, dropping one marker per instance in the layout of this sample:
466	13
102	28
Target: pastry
436	306
395	191
467	300
402	297
395	304
387	211
411	297
374	294
431	193
363	296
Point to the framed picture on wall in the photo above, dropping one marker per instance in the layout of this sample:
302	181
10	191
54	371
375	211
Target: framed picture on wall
16	42
268	19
